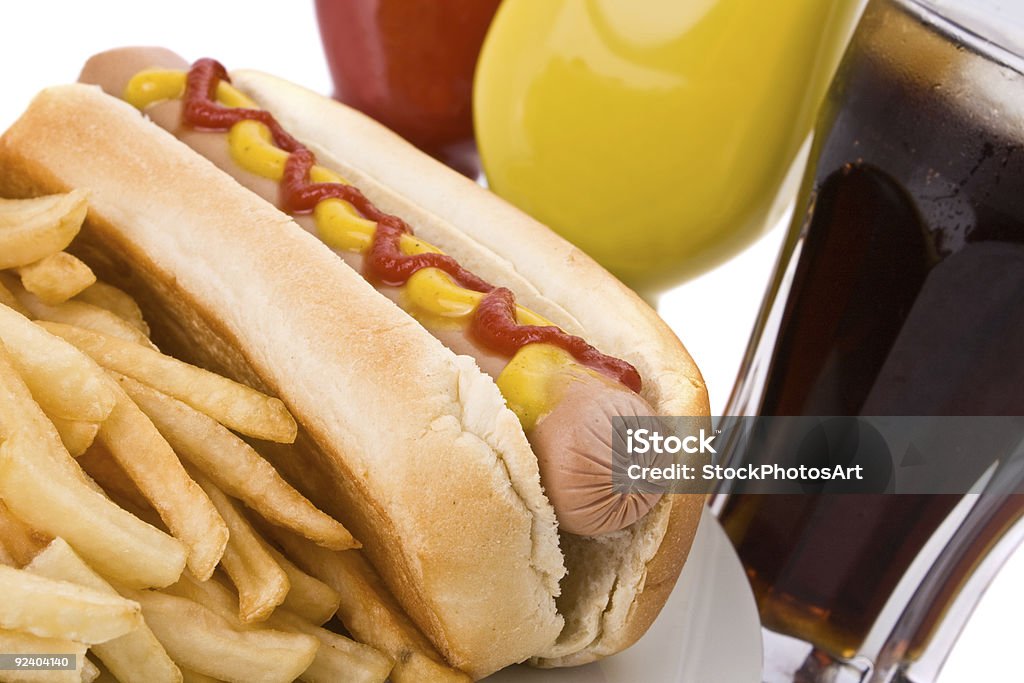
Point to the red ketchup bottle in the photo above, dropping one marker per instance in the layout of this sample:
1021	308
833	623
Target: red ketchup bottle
409	64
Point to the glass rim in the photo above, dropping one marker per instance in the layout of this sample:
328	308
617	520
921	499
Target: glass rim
979	31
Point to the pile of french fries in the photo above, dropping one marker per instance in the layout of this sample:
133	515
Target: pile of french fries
130	503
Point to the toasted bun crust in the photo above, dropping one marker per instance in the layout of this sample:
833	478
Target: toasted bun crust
637	567
432	473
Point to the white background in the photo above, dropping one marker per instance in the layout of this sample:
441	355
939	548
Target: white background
45	43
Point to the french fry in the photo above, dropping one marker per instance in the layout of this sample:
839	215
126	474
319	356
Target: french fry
8	299
105	675
74	312
21	542
66	382
100	465
189	676
56	278
117	302
200	640
338	658
234	405
87	317
369	612
135	657
31	229
146	457
309	597
20	643
58	609
45	488
90	672
235	467
52	500
76	435
20	415
262	584
213	594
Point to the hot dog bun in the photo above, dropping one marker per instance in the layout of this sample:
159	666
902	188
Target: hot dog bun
407	443
552	270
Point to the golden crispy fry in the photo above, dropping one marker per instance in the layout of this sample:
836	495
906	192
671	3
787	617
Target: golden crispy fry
31	229
66	382
74	312
8	299
20	643
85	316
58	609
45	488
135	657
235	467
56	499
368	611
105	675
20	541
309	597
117	302
56	278
100	465
213	594
152	465
189	676
262	584
22	417
337	659
232	404
76	435
90	672
200	640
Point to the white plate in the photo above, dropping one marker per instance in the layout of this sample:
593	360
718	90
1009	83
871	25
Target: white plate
708	631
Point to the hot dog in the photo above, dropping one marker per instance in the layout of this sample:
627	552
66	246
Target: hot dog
564	400
563	390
